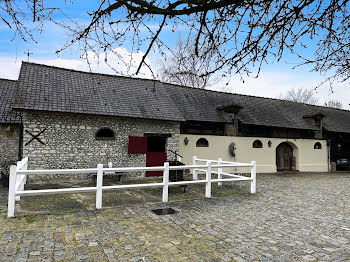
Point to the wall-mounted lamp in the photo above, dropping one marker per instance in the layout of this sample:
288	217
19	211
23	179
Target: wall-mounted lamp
269	143
186	141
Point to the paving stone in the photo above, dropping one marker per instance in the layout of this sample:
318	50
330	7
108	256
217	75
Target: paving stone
35	253
293	217
108	251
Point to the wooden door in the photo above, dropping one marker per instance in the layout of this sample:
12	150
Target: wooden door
155	159
284	155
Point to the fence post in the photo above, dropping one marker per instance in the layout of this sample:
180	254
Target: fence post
18	180
253	176
21	180
12	192
219	171
166	182
195	176
25	168
99	184
208	183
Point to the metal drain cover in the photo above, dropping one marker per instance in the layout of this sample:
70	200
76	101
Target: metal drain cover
164	211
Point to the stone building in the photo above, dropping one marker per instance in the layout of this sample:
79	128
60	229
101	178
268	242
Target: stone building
74	119
10	128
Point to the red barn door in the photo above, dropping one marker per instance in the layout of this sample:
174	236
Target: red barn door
155	159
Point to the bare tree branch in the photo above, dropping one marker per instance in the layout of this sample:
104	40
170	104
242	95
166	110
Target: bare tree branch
243	34
334	104
301	95
151	44
185	67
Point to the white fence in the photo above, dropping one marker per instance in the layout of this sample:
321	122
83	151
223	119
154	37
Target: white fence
18	177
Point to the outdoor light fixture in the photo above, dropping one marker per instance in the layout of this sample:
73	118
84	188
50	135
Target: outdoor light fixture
269	143
186	140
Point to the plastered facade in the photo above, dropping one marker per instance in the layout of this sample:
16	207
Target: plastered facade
307	158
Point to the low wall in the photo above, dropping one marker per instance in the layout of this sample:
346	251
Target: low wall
307	158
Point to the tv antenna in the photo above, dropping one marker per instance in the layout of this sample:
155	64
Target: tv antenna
28	54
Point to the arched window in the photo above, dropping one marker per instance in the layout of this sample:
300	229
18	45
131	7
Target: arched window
202	142
317	145
257	144
105	134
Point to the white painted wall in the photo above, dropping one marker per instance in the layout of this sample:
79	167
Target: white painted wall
308	159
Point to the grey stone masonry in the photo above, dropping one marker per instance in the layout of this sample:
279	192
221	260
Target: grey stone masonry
9	142
68	140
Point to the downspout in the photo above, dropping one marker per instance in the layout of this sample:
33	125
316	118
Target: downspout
329	155
20	144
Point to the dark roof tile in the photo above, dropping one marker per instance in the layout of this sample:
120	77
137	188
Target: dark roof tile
49	88
7	90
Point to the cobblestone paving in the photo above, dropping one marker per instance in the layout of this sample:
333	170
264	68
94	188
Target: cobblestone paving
293	217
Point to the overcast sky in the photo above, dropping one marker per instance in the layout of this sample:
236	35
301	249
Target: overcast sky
275	78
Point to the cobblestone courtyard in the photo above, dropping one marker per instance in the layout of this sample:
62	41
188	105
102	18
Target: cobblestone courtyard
293	217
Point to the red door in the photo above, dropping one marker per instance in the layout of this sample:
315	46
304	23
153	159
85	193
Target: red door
155	159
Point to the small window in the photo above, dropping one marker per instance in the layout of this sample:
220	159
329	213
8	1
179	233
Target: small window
257	144
202	142
318	123
105	133
317	145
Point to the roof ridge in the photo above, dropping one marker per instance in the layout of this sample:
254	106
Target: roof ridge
180	86
268	98
5	79
93	73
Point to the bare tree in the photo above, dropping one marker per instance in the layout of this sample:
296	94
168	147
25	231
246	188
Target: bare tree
301	95
185	68
244	34
334	104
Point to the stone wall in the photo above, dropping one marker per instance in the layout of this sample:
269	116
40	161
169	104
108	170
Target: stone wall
9	143
70	139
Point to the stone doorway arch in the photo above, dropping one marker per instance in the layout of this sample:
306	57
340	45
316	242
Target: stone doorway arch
285	157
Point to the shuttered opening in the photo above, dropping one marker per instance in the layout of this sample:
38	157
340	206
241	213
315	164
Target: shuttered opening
137	145
154	146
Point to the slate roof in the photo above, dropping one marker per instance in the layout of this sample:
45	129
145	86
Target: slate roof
49	88
7	90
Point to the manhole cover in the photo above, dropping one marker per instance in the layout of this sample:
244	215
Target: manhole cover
164	211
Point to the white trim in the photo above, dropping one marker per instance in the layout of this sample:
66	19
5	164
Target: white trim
18	179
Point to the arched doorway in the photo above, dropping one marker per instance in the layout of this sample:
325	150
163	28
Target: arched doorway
284	157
